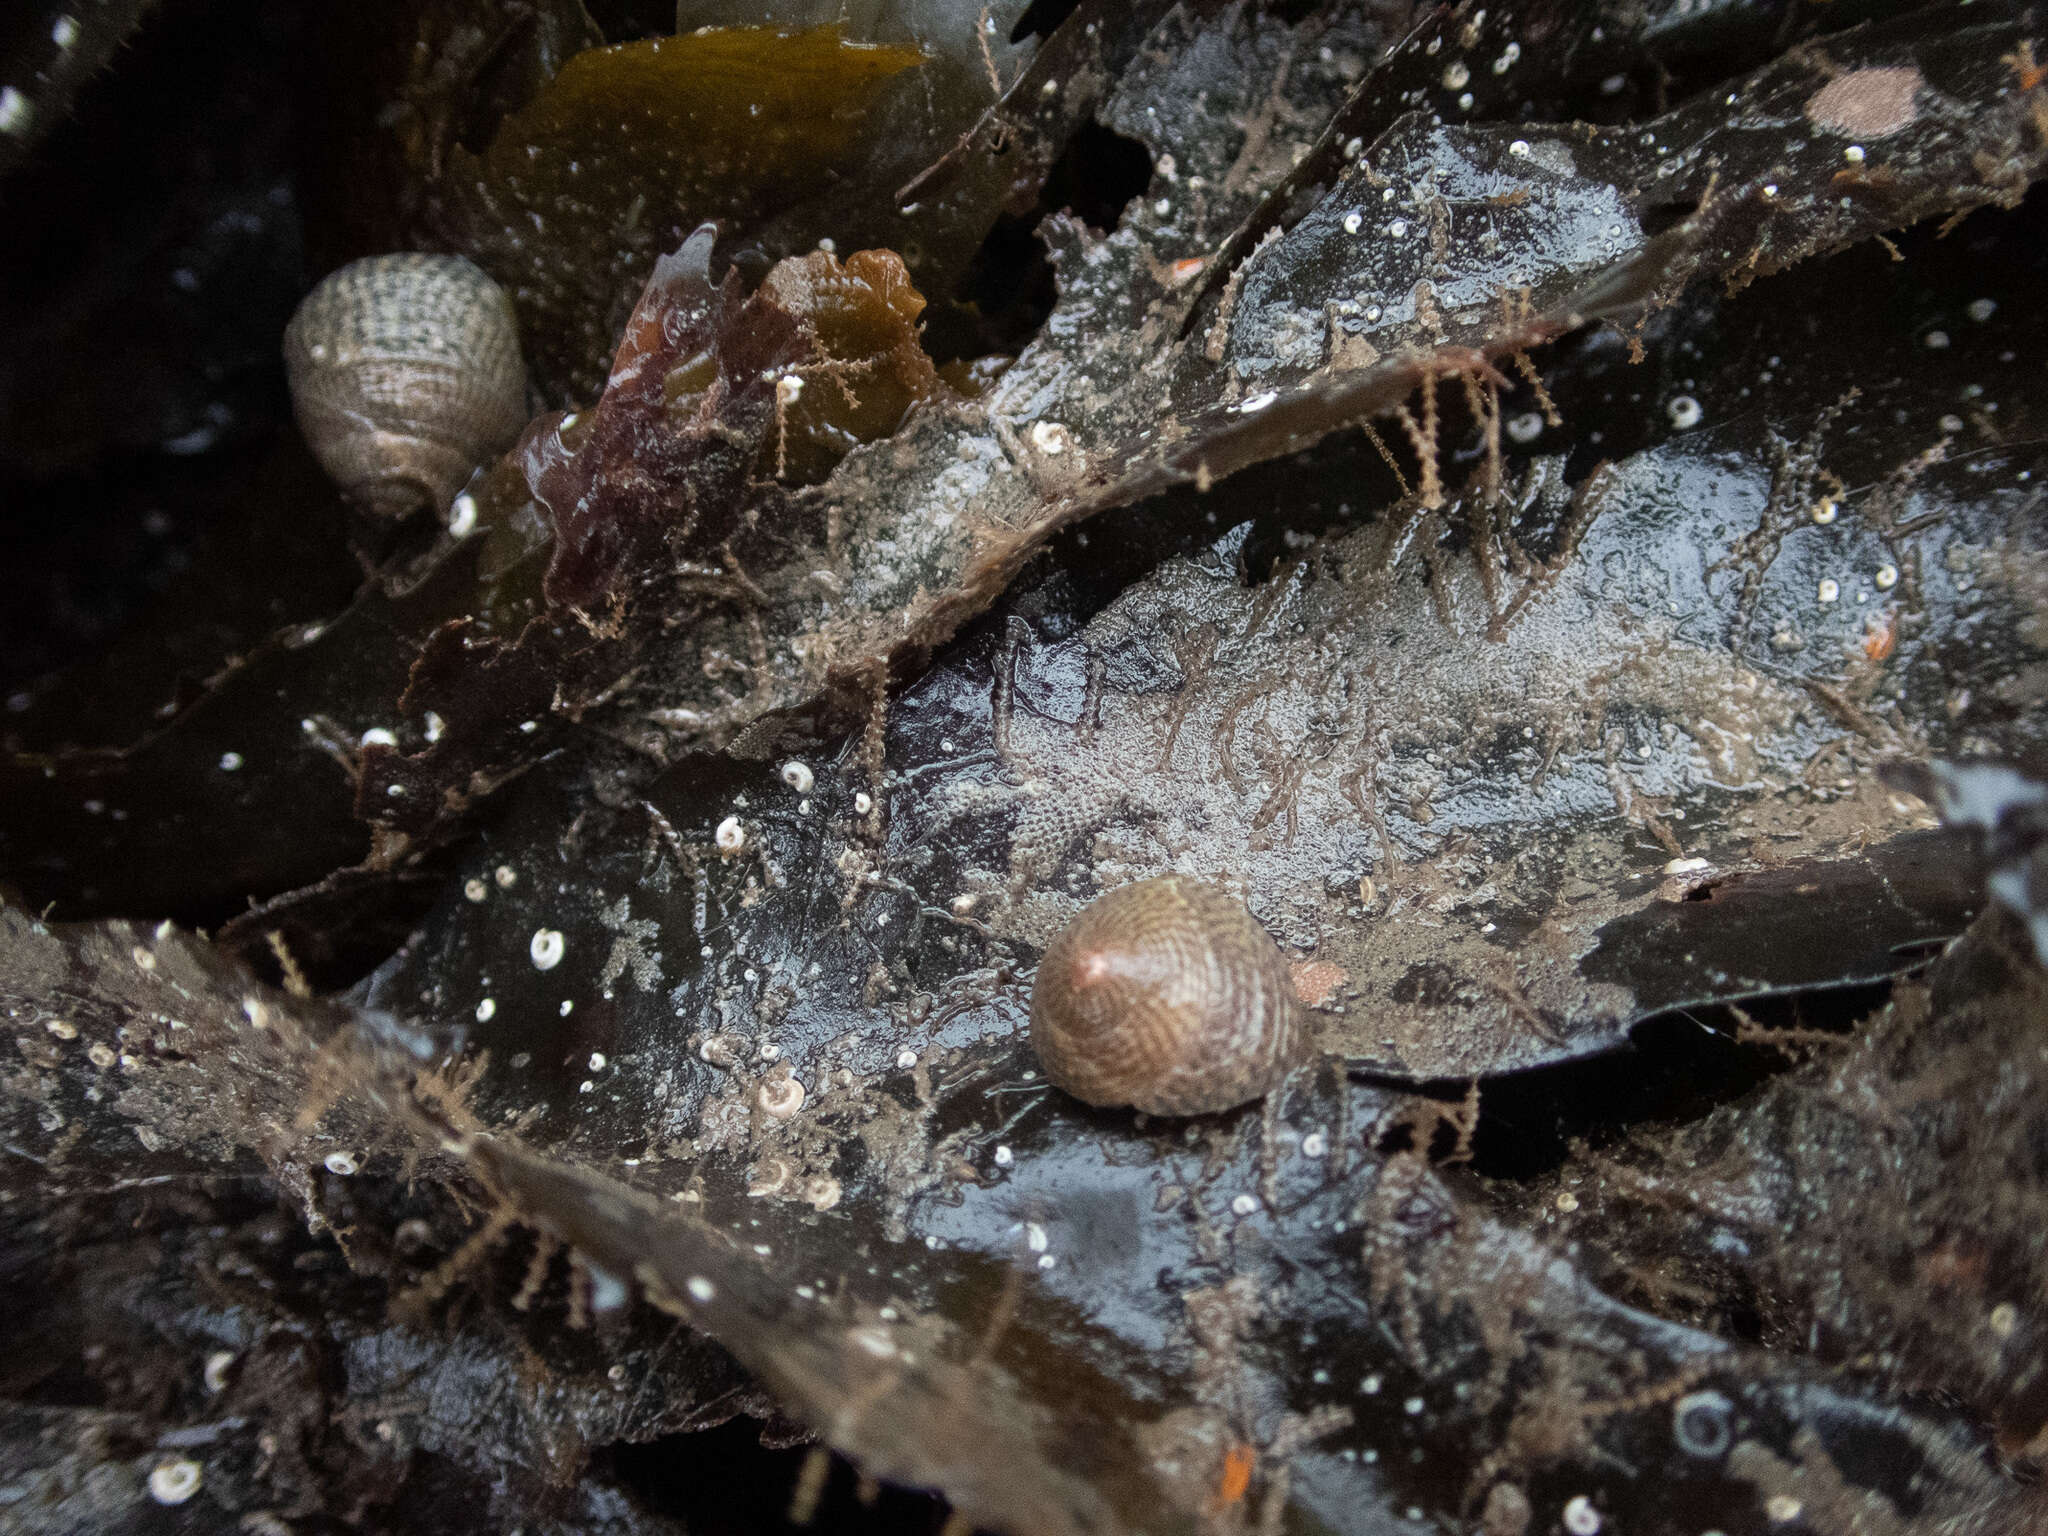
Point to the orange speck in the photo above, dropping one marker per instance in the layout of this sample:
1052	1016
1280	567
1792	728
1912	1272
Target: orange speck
1880	635
1953	1267
2024	69
1186	268
1238	1462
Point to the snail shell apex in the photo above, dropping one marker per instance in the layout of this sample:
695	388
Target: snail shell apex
405	375
1167	996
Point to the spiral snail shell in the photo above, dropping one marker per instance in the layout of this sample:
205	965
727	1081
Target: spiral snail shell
1167	996
405	375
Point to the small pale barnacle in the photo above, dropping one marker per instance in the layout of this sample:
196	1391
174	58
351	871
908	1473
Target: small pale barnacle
1167	996
770	1177
1507	1511
798	776
214	1373
546	948
721	1051
1703	1424
175	1479
15	110
780	1097
730	837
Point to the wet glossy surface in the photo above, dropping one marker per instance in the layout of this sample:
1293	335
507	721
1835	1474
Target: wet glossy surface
690	816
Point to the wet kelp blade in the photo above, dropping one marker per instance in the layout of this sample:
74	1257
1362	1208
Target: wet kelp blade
913	540
935	1367
747	1032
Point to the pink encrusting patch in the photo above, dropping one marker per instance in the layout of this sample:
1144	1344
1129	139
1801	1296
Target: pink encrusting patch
1866	103
1316	981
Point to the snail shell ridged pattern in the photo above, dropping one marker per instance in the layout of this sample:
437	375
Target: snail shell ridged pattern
1168	996
405	375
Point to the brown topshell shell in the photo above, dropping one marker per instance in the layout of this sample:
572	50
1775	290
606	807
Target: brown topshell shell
1167	996
405	375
